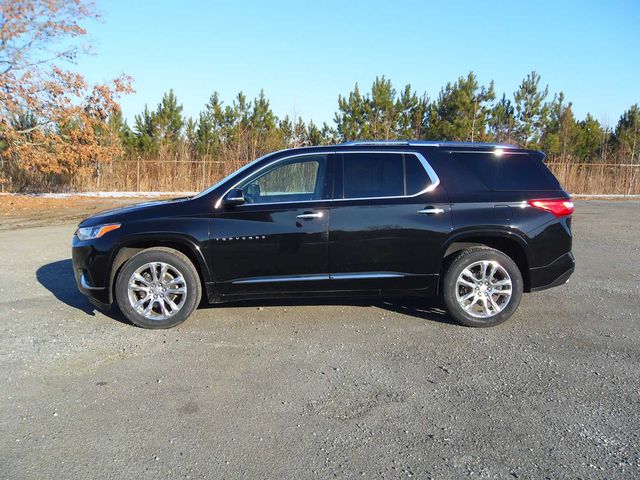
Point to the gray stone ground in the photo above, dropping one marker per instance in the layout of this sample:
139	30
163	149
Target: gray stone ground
328	389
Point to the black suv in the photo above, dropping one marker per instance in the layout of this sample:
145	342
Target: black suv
476	224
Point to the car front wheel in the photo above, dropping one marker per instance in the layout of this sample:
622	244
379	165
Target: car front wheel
482	287
158	288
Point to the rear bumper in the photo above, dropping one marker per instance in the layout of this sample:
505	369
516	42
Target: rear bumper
552	275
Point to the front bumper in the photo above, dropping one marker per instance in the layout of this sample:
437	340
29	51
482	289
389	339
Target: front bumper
552	275
90	272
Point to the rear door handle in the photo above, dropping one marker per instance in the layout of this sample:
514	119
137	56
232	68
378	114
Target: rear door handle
430	211
309	216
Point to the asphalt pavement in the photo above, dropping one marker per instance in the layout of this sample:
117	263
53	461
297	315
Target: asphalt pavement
348	389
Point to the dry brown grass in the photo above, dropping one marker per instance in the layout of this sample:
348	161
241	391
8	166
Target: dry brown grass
148	175
598	178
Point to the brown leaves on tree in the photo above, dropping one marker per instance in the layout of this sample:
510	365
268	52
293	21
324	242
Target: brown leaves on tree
51	121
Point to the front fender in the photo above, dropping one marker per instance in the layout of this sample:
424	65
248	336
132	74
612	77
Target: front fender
188	235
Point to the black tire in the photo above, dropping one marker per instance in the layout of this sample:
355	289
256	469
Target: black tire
175	259
459	262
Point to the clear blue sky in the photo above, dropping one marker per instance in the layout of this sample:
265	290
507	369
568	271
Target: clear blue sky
303	54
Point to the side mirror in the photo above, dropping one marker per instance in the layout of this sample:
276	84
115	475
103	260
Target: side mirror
234	197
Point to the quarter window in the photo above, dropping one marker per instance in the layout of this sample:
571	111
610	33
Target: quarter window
295	180
367	175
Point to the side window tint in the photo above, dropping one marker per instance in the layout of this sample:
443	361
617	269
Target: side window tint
521	172
373	175
508	171
300	179
417	177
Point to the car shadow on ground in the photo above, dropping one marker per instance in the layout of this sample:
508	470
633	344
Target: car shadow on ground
423	308
57	277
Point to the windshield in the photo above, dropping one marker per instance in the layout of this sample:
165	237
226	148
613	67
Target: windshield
231	175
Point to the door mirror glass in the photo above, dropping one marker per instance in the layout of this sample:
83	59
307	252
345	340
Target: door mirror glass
234	197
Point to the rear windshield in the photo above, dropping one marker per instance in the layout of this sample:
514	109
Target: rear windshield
509	171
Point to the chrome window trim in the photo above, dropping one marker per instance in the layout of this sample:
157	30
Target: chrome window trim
284	203
435	180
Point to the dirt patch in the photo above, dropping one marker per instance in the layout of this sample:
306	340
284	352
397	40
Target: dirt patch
24	211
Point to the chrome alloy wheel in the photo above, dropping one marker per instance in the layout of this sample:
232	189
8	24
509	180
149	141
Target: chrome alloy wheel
157	290
483	289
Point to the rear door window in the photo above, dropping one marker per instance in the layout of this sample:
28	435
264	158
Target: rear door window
375	175
369	175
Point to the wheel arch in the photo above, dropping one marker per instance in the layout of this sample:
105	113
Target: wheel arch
133	246
510	243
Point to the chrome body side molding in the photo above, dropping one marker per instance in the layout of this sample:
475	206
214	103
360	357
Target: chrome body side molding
323	276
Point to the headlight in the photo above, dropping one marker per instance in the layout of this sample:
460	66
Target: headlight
89	233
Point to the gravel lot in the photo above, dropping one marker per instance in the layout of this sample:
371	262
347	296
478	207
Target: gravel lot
328	389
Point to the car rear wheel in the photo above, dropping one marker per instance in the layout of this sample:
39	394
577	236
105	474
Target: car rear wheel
158	288
482	287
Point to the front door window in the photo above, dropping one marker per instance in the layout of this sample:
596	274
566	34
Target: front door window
297	180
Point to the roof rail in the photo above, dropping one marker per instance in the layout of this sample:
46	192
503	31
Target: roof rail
425	143
377	142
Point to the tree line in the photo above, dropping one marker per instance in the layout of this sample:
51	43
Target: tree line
464	110
54	125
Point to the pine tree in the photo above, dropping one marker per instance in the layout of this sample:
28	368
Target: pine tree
559	134
380	110
285	127
117	124
168	119
191	136
299	132
329	135
502	121
531	111
263	120
411	114
351	116
627	135
313	134
461	111
588	139
144	131
381	114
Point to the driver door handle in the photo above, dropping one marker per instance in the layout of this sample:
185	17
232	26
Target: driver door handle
430	211
309	216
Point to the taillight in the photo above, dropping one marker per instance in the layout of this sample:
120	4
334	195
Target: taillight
560	207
